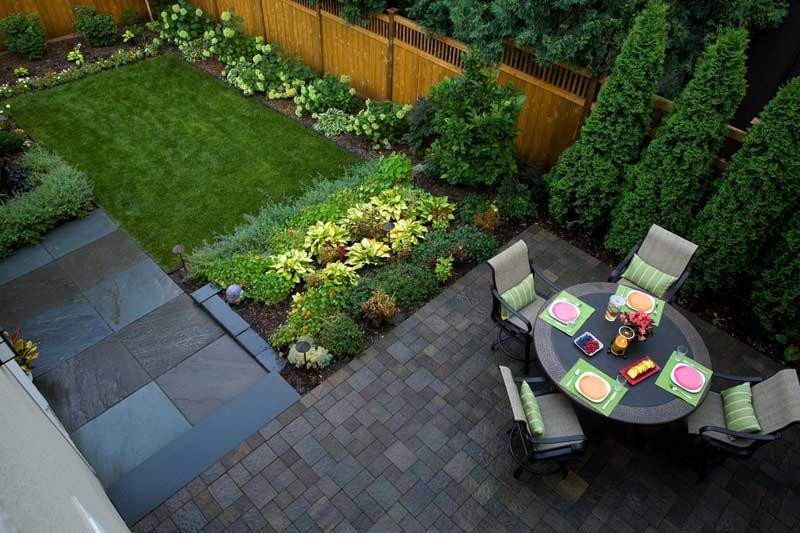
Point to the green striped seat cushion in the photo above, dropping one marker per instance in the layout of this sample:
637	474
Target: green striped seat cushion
518	296
648	277
531	408
737	403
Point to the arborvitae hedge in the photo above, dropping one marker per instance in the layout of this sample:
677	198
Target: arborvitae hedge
757	193
585	183
667	184
776	293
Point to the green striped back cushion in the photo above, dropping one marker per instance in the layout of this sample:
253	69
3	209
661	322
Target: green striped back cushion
738	405
648	277
518	296
531	408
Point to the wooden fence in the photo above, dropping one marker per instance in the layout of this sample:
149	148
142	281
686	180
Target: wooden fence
391	57
57	15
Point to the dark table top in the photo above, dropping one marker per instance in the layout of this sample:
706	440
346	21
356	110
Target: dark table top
644	403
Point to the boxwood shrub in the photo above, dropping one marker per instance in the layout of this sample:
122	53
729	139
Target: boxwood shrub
24	35
99	29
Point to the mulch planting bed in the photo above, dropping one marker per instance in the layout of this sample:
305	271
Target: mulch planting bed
55	58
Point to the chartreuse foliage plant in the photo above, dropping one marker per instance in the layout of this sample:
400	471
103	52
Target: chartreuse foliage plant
756	195
24	35
585	183
475	123
776	293
252	272
667	184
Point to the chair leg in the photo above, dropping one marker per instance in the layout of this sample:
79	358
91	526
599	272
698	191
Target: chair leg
518	472
563	466
528	356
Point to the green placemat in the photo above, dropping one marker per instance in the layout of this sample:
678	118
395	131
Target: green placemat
606	406
623	290
585	309
665	379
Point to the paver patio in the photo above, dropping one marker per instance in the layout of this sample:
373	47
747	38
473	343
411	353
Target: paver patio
411	437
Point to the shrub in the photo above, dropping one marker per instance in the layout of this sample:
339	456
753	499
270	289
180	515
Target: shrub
364	224
585	183
328	92
383	123
464	243
475	123
776	294
757	192
332	122
668	182
513	200
342	336
62	193
253	274
10	142
487	220
182	22
411	285
444	269
96	27
379	308
420	126
24	34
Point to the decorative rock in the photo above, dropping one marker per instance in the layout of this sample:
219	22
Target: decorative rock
419	168
233	294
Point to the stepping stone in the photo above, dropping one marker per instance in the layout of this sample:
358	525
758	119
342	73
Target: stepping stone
91	382
211	377
130	432
72	235
120	281
50	309
163	338
23	261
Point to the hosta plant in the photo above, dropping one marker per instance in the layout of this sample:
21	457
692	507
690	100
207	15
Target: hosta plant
367	252
337	274
325	93
27	351
75	55
363	222
323	233
292	265
391	203
406	233
332	122
316	356
383	123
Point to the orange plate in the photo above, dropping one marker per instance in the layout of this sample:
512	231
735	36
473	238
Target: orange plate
640	301
593	387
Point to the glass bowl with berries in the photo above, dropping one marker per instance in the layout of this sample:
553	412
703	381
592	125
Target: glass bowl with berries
588	343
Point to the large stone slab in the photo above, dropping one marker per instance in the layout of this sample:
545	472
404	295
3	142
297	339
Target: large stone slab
175	465
163	338
131	431
120	281
91	382
50	309
23	261
77	233
211	377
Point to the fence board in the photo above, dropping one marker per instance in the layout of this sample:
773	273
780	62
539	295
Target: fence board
296	28
356	52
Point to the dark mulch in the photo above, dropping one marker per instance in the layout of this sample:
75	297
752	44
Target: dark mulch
13	180
55	58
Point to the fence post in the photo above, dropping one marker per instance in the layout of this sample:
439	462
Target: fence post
320	51
390	53
262	22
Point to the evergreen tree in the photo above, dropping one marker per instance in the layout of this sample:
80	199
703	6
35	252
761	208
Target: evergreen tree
584	184
667	184
758	191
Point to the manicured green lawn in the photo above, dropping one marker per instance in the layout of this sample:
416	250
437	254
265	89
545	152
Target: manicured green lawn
175	155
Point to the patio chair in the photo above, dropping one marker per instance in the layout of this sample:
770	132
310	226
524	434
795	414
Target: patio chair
509	268
663	250
563	437
776	402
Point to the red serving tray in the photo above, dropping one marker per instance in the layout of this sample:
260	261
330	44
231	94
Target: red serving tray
640	377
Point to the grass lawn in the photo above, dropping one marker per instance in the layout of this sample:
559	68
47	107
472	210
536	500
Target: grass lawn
175	155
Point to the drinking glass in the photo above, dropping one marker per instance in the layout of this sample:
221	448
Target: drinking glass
615	304
619	382
682	352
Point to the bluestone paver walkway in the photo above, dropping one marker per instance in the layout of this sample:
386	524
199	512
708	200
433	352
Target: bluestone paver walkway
411	437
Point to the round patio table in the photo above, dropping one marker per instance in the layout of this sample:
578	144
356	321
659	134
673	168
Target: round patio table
645	403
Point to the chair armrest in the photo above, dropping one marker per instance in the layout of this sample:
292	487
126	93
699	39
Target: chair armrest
741	379
514	312
620	268
673	291
559	440
537	273
739	434
538	380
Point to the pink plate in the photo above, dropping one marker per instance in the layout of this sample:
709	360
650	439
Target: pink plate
564	311
688	377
